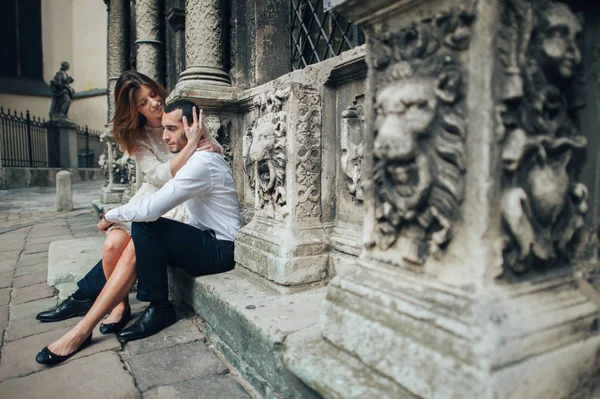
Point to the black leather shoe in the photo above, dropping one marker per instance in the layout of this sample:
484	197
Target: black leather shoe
110	328
68	308
151	321
50	359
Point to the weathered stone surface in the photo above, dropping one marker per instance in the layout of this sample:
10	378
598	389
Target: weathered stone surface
69	260
252	321
3	318
48	231
210	387
23	323
182	332
39	266
30	279
4	296
171	365
48	239
11	244
31	293
18	357
333	373
101	376
6	278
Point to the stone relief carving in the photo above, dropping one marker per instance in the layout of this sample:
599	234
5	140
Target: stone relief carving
219	128
419	147
543	204
352	148
264	152
308	164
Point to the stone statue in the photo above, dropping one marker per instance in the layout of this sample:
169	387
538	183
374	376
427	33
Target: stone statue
62	92
352	148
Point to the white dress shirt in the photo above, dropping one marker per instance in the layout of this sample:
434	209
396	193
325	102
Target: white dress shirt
204	185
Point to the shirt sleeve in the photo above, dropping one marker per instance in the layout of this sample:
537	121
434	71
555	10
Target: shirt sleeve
192	180
154	169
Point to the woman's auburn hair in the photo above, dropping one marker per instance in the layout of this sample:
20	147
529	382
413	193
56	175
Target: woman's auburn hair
128	123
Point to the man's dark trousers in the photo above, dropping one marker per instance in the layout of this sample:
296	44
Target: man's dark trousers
167	242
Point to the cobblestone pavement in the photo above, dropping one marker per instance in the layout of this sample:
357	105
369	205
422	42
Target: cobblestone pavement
176	363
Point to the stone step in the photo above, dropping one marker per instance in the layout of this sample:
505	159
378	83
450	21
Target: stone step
70	260
249	323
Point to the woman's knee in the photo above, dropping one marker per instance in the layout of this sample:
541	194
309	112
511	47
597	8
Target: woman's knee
114	243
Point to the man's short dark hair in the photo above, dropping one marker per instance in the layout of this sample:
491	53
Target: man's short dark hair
186	107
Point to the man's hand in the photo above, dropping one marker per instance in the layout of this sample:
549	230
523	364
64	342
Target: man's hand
104	224
194	132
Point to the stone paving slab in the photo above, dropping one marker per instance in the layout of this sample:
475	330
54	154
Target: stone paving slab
175	364
182	332
11	244
69	260
6	278
30	269
49	232
211	387
31	293
49	239
4	296
18	357
23	323
100	376
3	319
29	279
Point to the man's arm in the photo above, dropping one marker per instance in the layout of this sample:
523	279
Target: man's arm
193	179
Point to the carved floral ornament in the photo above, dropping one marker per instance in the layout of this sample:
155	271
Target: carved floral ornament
419	157
543	204
264	152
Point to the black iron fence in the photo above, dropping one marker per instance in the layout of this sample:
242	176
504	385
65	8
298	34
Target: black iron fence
319	33
89	147
27	141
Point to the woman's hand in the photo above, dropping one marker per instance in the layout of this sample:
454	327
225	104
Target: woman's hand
194	132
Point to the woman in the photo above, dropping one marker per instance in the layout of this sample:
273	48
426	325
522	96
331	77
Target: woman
137	129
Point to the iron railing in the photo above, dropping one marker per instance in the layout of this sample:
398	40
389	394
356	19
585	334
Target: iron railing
318	34
26	141
89	147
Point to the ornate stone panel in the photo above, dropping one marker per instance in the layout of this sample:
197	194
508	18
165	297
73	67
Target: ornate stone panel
149	43
265	153
543	204
419	129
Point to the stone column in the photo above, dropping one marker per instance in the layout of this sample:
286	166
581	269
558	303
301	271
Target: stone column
149	58
205	33
466	286
285	241
117	63
149	45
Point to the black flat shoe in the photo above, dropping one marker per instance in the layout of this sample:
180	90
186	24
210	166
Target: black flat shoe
68	308
151	321
110	328
50	359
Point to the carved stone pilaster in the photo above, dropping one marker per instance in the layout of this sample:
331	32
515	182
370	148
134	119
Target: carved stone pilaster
285	240
149	44
205	32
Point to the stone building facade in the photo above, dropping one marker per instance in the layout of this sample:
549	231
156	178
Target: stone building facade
421	211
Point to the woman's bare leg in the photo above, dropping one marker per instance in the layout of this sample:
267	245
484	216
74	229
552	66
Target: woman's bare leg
114	245
117	288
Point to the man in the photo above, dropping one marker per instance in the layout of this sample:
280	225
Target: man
203	245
